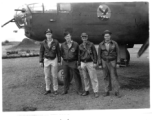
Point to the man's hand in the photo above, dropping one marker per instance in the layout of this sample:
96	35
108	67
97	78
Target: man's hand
94	65
41	64
100	67
59	64
118	65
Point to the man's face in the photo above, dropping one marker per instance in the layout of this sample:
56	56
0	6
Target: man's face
48	35
107	37
84	38
68	38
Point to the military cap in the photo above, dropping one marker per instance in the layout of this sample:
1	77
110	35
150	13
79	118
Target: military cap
66	33
84	34
107	32
48	31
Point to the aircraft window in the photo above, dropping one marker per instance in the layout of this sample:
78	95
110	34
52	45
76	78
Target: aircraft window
35	7
50	8
65	7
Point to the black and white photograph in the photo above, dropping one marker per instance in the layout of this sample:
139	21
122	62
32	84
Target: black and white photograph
75	58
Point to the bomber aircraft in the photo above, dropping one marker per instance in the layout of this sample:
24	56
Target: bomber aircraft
128	21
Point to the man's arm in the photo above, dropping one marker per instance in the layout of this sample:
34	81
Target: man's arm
94	54
58	53
79	56
61	50
118	53
41	57
99	56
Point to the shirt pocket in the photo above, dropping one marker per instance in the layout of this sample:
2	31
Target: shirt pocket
103	48
72	50
65	48
72	53
89	51
113	47
53	47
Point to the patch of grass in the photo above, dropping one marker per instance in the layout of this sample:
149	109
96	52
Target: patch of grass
23	88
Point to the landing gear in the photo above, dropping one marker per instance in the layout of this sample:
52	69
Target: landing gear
124	54
60	76
125	61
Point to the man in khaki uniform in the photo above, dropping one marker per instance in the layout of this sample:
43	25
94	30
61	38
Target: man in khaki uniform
50	57
87	62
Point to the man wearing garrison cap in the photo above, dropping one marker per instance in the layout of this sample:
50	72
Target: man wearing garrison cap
49	58
87	62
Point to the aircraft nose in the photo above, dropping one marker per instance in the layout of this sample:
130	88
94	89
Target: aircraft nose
20	17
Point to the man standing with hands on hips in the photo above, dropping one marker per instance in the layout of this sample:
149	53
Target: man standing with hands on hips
49	58
109	57
87	62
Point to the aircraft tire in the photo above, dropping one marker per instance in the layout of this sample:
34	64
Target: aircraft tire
60	76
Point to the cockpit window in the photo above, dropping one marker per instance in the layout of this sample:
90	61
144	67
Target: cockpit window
50	8
35	7
65	7
43	8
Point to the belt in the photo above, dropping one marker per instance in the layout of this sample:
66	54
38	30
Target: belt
85	61
50	58
69	60
109	59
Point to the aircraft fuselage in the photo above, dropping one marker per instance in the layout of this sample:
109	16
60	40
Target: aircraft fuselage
128	21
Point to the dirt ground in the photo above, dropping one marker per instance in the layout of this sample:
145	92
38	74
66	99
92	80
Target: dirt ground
23	87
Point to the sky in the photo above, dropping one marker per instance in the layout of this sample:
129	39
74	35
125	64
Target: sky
7	13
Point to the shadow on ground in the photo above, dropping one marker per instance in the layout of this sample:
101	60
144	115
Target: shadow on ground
136	77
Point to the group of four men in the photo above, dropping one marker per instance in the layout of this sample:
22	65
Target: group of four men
76	57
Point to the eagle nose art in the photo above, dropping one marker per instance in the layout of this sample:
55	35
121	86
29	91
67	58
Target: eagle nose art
103	12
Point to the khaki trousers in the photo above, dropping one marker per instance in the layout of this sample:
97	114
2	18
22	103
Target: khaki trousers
89	71
50	72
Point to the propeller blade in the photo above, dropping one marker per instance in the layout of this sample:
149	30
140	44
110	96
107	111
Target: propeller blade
143	48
